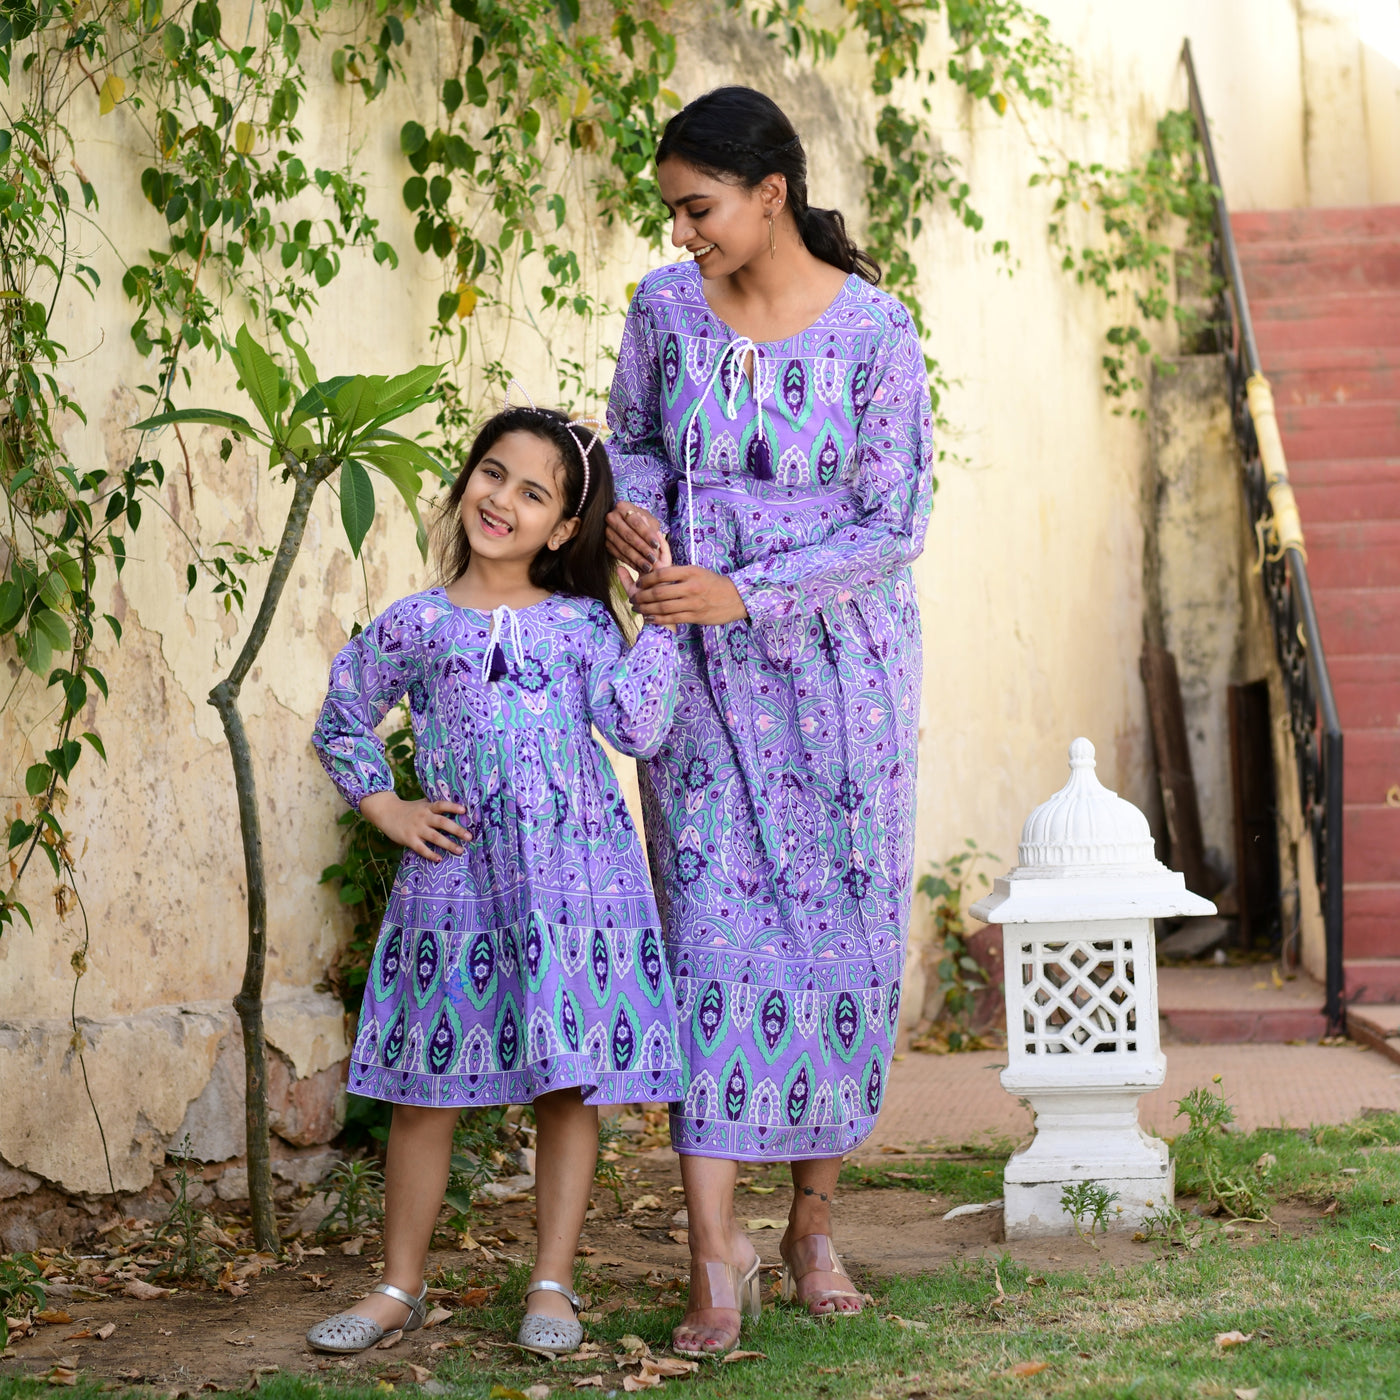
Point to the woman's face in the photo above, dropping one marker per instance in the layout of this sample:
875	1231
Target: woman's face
721	224
513	503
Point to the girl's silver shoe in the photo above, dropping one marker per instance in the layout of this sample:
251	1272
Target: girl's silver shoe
554	1334
348	1332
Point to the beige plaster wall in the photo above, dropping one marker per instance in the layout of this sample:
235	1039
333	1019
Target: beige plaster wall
1031	583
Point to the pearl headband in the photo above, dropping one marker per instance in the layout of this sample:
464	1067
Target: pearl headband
594	425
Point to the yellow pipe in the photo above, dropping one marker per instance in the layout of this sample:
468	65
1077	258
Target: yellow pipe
1286	528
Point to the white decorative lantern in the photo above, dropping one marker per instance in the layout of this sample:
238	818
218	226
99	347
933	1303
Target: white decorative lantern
1081	1001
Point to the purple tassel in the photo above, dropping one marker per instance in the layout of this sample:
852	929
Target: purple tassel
760	459
498	663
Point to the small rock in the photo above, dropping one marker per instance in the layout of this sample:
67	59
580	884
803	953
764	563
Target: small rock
681	1219
509	1186
307	1168
233	1185
308	1219
16	1182
20	1236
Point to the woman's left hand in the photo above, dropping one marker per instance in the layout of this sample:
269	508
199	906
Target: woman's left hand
687	593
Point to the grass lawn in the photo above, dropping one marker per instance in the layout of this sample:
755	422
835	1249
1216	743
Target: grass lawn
1318	1297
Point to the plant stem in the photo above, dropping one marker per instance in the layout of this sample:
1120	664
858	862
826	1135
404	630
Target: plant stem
248	1003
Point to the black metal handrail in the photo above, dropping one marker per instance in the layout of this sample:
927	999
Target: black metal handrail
1311	703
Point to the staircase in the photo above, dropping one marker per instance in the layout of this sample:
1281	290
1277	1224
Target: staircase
1324	289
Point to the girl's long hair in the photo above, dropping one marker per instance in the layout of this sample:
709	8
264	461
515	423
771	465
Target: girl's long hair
738	134
581	565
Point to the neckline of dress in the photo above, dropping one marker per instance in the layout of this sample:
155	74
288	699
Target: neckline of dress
486	612
729	330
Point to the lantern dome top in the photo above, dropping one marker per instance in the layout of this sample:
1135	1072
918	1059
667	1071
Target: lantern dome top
1085	824
1087	854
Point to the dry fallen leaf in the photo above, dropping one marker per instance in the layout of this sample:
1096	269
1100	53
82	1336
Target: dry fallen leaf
1034	1281
745	1356
1232	1339
668	1366
105	1331
536	1392
584	1250
1380	1248
353	1247
763	1222
645	1203
1025	1368
631	1384
146	1292
419	1373
1251	1394
437	1316
762	1190
634	1346
62	1375
392	1340
55	1317
894	1151
908	1324
588	1383
683	1236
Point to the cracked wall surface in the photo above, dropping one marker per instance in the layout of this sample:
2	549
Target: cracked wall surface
1031	581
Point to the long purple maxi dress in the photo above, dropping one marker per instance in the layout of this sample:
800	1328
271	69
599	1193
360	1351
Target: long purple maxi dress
532	961
780	809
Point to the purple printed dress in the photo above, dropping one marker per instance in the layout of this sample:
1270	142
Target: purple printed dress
532	961
780	808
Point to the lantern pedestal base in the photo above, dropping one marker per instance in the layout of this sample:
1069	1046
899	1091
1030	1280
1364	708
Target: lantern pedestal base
1086	1134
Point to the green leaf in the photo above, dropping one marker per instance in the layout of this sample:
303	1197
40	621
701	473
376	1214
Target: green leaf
451	95
37	779
412	137
356	504
476	87
304	366
97	744
53	628
351	894
214	416
261	378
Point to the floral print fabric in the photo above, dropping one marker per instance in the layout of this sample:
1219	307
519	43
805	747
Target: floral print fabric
780	808
533	961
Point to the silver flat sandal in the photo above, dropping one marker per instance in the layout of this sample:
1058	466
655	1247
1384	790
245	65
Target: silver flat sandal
551	1333
348	1332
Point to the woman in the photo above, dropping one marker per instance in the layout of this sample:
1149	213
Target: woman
771	418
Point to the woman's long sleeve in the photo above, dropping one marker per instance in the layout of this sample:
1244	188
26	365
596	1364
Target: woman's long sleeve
370	673
636	449
893	483
632	691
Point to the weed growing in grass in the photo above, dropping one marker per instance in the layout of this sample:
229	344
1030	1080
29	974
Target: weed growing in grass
1200	1148
1087	1199
21	1288
359	1197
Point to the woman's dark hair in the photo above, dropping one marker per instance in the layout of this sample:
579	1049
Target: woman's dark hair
581	565
738	134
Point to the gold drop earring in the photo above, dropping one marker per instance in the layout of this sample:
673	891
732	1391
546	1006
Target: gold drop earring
773	234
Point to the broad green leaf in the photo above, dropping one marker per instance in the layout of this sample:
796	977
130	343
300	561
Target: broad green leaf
213	416
318	400
356	503
407	482
110	93
261	378
54	628
304	365
36	778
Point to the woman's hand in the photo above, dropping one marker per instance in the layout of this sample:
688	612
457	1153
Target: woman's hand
686	593
415	824
635	536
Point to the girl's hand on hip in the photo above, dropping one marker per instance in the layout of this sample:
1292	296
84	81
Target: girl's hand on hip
687	593
420	825
635	536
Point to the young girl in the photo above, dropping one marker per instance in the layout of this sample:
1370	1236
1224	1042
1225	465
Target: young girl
520	960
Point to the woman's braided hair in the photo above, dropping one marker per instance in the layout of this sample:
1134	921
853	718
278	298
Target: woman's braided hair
738	134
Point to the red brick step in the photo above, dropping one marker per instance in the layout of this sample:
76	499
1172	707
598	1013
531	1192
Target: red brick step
1359	621
1274	270
1365	489
1328	430
1303	225
1354	554
1372	920
1368	699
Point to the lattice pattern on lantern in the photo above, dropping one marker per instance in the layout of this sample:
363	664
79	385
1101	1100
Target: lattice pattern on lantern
1078	997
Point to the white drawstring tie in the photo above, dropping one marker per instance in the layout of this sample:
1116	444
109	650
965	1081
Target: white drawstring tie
729	399
493	662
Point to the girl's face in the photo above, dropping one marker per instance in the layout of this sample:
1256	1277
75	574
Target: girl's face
513	503
722	225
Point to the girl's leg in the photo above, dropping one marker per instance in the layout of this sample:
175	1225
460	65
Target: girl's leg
415	1178
714	1235
813	1187
566	1155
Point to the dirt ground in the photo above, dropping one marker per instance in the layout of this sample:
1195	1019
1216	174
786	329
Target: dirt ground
204	1339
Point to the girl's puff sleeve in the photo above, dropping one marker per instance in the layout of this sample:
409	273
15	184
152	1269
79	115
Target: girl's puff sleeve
371	672
632	691
636	448
893	483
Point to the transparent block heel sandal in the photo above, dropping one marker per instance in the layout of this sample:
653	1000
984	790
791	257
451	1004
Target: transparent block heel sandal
719	1284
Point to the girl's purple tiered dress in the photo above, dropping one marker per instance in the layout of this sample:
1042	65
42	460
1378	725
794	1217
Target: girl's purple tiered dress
780	809
533	961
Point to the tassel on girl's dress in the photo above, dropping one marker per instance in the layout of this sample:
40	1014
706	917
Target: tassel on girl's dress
498	663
